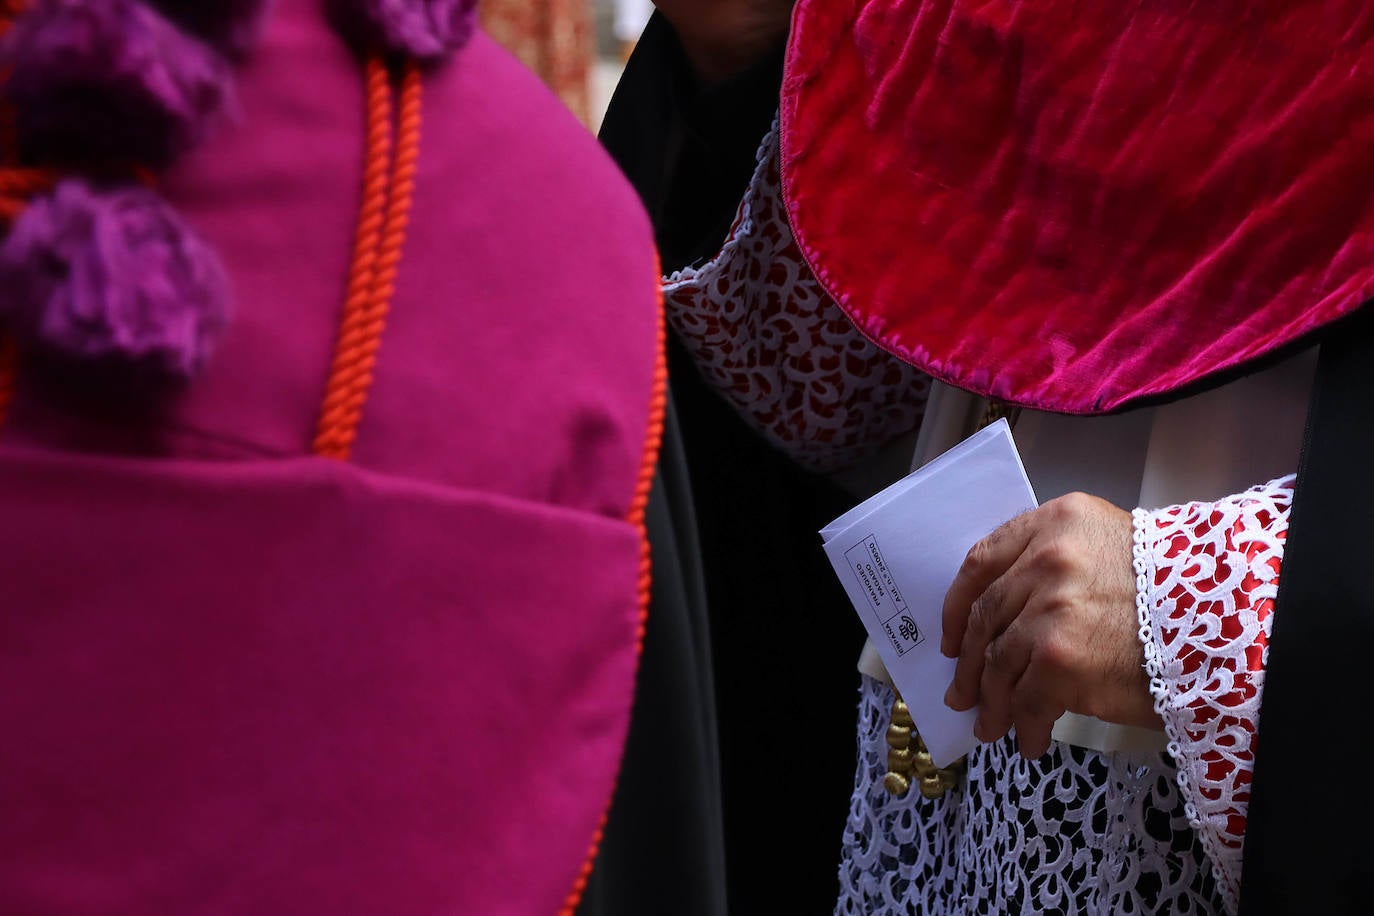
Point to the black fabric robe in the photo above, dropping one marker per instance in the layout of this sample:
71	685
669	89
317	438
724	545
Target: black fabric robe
1309	842
663	849
784	639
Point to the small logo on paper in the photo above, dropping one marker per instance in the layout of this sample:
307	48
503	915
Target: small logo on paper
876	582
907	629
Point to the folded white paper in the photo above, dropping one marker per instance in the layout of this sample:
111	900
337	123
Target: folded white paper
897	554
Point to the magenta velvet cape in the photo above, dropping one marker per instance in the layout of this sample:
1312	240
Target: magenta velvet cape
238	680
1077	206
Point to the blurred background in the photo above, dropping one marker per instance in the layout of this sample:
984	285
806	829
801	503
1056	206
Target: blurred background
578	47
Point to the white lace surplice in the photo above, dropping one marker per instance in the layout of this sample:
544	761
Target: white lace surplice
1077	831
1080	831
764	333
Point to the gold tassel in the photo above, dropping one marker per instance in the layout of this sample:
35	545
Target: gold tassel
909	760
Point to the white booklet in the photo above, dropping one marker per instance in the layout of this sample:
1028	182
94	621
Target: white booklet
897	554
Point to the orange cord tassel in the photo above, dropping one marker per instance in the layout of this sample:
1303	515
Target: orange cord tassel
388	192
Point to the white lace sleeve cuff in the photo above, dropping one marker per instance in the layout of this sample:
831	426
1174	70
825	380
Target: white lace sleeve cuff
1206	577
764	333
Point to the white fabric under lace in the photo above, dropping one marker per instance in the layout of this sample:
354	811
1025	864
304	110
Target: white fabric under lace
763	332
1081	832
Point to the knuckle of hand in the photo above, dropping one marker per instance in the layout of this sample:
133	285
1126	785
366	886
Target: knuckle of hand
1057	511
1076	504
1059	557
977	625
982	614
976	557
1057	655
1059	602
995	657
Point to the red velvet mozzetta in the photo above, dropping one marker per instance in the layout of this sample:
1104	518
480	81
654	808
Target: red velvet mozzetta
1073	206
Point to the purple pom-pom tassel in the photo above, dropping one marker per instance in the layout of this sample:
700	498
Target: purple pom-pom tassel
110	80
426	30
114	278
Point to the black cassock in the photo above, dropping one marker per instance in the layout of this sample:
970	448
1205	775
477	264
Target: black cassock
783	639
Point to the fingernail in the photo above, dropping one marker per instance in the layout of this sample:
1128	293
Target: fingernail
947	650
951	697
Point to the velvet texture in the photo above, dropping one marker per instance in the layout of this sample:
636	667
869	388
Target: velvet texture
1074	207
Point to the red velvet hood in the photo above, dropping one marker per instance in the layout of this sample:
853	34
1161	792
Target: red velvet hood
1075	206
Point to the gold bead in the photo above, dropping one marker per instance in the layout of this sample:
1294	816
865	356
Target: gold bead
933	787
901	715
896	784
898	736
899	760
922	763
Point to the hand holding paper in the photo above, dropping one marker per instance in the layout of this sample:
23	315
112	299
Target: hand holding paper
1040	616
898	553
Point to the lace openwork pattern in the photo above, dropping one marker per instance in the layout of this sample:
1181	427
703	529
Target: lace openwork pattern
763	332
1074	832
1082	832
1211	574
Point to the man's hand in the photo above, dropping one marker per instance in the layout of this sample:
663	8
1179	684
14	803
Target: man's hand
725	37
1042	619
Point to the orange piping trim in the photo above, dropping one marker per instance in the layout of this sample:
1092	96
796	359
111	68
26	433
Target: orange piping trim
639	505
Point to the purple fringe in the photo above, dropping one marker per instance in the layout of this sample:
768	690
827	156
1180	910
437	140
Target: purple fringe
96	81
427	30
115	277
